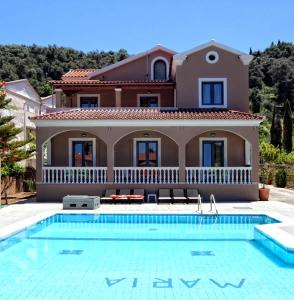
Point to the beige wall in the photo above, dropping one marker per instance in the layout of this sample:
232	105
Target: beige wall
222	193
123	150
107	97
128	96
60	144
235	148
228	66
139	69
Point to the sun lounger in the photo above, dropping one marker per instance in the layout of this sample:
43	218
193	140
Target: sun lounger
107	198
164	196
123	193
178	196
137	192
193	195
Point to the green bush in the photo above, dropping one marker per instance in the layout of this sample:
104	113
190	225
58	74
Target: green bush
281	178
13	169
272	154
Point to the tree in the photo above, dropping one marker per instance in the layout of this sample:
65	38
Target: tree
276	129
12	150
288	128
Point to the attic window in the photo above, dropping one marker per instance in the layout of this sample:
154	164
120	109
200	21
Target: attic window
159	68
212	57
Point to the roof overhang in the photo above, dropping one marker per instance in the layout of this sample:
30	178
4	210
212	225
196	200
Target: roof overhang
145	123
180	57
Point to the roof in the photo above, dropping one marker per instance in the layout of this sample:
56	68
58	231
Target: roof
148	114
22	88
110	82
79	73
245	57
130	59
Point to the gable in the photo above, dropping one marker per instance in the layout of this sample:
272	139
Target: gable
137	67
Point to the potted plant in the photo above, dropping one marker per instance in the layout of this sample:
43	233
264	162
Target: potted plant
264	191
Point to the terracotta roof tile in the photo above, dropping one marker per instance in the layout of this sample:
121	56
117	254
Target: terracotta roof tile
110	82
147	114
78	73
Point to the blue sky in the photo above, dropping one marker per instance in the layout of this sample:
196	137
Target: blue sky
139	25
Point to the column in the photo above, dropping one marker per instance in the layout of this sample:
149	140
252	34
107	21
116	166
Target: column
110	162
58	94
182	162
118	97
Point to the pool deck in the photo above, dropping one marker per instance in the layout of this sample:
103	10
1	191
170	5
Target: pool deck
16	217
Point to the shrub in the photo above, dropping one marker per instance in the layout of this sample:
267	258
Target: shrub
272	154
281	178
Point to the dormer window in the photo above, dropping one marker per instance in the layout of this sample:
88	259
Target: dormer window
212	92
159	69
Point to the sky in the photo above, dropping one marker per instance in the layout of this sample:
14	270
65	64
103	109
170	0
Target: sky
139	25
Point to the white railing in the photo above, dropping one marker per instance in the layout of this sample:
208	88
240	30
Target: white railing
222	175
74	175
147	175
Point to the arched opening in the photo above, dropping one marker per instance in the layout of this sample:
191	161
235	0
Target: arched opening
74	148
159	69
146	148
218	148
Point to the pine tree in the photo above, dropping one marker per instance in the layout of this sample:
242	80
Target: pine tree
288	128
276	129
12	150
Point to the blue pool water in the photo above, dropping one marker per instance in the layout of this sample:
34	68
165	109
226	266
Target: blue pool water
142	257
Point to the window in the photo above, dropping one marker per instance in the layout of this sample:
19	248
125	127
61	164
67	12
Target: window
88	101
212	92
147	153
213	152
212	57
159	68
82	152
148	100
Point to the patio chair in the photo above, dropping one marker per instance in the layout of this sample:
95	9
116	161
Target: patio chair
107	197
178	196
123	192
193	195
164	196
139	192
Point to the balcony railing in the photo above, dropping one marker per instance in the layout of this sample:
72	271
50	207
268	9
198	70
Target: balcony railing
74	175
147	175
222	175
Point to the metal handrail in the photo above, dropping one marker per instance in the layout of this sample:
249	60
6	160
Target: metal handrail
199	201
212	201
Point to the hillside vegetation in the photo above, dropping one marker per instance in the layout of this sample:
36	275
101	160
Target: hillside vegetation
40	64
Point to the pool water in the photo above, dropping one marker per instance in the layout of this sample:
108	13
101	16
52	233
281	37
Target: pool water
148	257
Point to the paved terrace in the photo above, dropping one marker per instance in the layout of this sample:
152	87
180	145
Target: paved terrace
281	202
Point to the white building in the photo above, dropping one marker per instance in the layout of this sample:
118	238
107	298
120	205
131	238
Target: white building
27	104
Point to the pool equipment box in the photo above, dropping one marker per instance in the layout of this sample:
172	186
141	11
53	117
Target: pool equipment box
81	202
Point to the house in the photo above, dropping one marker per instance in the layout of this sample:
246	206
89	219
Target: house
158	119
47	103
26	103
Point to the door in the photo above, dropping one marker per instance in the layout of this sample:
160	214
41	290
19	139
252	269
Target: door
213	153
147	154
82	154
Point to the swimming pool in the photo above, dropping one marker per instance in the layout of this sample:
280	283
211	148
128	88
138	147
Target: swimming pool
88	256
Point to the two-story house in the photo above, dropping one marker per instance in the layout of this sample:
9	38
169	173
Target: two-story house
159	119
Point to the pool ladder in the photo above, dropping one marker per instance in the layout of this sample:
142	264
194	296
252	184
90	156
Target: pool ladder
212	204
199	201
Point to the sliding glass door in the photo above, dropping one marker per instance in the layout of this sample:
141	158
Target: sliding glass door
82	154
212	153
147	153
